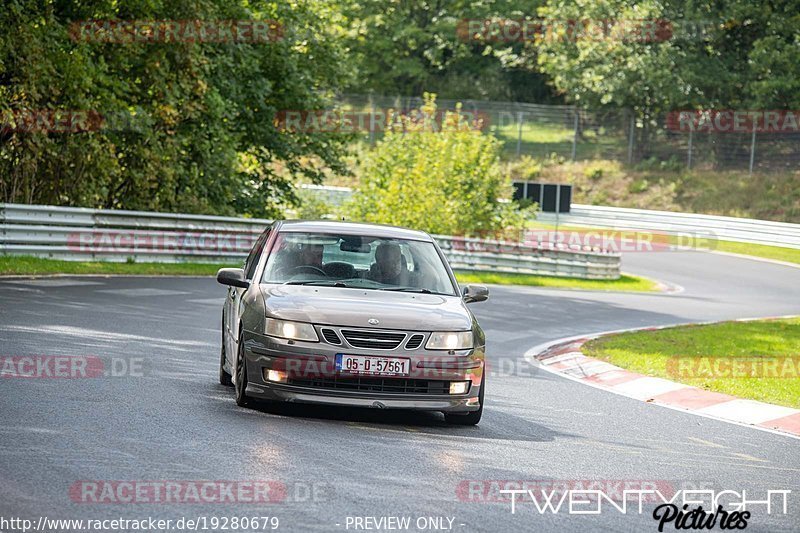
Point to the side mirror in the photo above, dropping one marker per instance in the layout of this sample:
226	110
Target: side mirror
233	277
475	293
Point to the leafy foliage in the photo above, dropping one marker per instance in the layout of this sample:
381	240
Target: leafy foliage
188	125
728	54
408	46
442	178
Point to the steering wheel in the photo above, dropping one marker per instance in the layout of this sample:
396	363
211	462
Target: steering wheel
306	268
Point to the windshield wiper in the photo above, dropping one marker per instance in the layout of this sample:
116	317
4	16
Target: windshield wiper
325	282
407	289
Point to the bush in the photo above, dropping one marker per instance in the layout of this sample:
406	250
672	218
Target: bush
525	168
440	177
593	172
638	186
653	163
313	208
597	170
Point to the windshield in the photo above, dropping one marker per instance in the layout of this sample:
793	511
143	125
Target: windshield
357	261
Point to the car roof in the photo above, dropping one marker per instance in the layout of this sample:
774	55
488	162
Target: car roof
353	228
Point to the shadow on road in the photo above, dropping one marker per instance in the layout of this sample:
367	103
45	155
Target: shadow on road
496	425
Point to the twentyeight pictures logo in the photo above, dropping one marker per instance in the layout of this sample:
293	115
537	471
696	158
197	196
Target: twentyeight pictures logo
679	506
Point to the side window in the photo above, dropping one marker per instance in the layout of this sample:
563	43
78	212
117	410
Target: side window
252	259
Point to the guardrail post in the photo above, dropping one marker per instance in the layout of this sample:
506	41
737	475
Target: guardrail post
752	150
2	229
631	133
371	121
575	136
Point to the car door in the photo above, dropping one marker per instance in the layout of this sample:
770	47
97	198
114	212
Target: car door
233	302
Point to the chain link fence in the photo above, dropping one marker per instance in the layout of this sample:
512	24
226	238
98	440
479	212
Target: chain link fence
573	134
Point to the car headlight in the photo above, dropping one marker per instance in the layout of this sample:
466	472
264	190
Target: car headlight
299	331
450	340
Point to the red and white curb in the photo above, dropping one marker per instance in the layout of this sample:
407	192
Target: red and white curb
564	357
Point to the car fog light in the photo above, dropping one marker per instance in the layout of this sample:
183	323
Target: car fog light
276	375
459	387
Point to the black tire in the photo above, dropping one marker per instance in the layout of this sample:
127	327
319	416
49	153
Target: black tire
224	377
241	377
472	418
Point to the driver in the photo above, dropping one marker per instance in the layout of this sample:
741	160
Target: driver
389	266
311	255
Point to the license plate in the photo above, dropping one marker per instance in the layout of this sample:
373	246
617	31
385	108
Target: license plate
372	365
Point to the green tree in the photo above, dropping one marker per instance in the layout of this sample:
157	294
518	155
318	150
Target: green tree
193	123
441	176
402	47
729	54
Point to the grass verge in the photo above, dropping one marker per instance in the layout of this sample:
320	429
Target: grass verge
779	253
624	283
790	255
724	357
26	265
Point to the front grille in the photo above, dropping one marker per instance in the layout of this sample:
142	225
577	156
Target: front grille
330	336
382	385
375	340
415	341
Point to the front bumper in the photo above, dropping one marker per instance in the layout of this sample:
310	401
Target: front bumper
312	377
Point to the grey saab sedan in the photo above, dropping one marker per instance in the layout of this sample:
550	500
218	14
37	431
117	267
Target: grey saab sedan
356	315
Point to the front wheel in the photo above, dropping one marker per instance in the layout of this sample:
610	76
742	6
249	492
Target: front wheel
241	377
472	418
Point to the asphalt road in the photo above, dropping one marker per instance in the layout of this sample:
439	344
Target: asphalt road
171	421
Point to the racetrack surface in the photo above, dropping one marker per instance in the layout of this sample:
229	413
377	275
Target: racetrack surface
175	422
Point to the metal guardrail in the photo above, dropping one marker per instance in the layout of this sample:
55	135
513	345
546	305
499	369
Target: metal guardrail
705	226
99	234
499	256
690	225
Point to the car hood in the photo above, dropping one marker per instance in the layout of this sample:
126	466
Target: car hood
340	306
